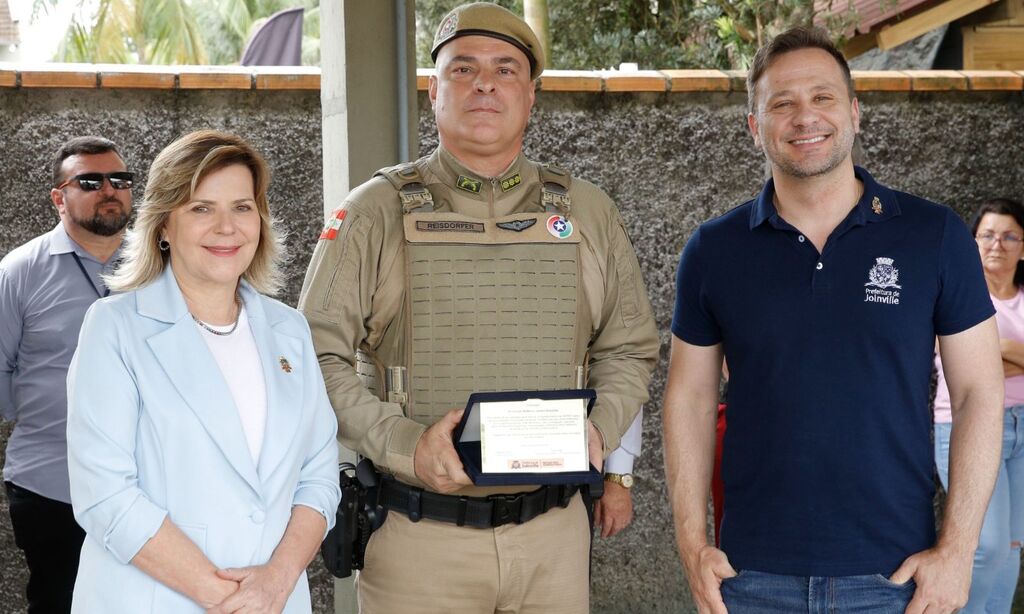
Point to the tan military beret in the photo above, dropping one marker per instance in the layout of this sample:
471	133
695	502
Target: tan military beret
487	19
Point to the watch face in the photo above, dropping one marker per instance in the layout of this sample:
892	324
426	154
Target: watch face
627	480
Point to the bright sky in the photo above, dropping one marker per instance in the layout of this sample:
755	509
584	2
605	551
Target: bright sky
39	40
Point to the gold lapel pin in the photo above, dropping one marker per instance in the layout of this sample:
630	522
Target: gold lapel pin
876	206
285	365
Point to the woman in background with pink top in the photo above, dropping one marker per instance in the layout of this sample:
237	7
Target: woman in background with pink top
999	230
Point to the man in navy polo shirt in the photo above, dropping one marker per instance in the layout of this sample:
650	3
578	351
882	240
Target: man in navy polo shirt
825	294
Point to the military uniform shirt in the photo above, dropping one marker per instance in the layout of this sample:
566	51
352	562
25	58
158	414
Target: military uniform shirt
355	287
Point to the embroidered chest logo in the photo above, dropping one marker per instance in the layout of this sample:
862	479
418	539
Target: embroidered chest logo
334	222
883	286
285	365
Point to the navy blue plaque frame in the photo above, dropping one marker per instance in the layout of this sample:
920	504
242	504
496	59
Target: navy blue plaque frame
469	449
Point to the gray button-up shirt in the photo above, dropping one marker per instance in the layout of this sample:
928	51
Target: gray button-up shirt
43	298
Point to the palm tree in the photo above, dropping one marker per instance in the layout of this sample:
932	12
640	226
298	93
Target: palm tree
134	31
173	31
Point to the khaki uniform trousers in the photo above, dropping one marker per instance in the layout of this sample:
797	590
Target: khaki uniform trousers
430	567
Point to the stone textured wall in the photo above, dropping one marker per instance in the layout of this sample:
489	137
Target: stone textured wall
670	160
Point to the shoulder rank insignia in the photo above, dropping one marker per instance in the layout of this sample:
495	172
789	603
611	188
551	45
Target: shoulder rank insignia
876	206
517	225
468	184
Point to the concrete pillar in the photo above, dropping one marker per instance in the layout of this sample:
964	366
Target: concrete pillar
368	107
535	12
367	90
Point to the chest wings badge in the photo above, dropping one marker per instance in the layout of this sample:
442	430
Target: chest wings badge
517	225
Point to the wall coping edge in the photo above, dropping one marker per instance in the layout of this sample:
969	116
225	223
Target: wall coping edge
116	76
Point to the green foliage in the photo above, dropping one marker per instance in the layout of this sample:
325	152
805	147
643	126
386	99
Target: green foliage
589	34
745	25
132	31
652	34
594	34
311	35
586	34
173	31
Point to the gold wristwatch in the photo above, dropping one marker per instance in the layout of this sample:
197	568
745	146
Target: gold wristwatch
624	480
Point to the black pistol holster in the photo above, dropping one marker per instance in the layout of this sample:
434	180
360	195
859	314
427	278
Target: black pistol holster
359	515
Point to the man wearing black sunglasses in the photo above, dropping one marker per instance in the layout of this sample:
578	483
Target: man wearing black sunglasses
46	286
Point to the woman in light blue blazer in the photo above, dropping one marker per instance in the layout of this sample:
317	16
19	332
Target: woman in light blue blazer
201	444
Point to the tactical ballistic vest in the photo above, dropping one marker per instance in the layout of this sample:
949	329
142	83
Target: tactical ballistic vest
490	304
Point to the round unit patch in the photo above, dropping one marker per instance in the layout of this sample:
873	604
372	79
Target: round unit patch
559	227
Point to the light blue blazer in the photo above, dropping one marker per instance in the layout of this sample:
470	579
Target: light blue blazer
153	432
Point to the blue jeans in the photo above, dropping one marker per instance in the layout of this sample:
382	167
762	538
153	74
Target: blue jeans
756	592
997	560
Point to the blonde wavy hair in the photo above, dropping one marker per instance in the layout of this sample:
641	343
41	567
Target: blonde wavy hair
173	178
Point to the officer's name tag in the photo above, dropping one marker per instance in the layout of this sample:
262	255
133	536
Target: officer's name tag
534	436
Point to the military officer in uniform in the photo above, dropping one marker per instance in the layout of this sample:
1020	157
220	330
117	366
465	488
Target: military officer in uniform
475	269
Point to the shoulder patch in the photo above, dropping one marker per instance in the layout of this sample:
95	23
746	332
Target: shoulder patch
330	231
559	227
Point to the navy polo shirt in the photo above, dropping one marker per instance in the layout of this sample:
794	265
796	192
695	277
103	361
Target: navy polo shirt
828	461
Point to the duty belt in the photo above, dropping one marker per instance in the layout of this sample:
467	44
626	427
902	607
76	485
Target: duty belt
478	512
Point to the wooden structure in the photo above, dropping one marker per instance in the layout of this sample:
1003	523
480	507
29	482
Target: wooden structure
8	27
992	30
994	37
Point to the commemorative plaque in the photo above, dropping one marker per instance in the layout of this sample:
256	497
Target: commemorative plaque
537	437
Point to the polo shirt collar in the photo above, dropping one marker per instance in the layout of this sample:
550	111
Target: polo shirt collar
877	204
62	243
